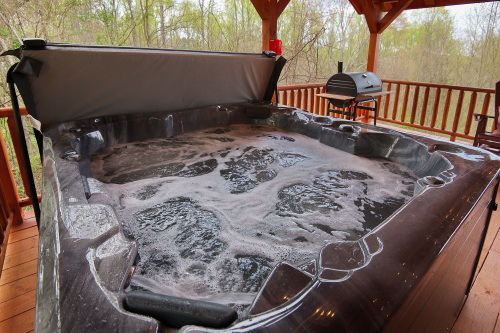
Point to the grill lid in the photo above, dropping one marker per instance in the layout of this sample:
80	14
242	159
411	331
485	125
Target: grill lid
353	84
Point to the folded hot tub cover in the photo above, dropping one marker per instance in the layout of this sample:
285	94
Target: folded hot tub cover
68	82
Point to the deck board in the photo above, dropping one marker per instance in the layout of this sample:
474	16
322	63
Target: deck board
21	323
19	276
20	235
21	246
21	257
19	271
17	305
18	287
481	309
29	221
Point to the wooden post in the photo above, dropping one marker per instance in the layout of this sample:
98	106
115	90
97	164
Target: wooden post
373	51
269	25
8	184
377	23
269	11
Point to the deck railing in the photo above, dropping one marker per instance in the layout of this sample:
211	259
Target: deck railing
8	185
438	109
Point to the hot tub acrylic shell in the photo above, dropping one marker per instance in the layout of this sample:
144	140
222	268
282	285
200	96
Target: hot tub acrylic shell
409	274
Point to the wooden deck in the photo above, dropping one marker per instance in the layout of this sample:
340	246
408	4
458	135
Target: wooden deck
18	281
18	284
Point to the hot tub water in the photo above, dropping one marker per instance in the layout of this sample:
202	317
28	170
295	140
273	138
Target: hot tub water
214	211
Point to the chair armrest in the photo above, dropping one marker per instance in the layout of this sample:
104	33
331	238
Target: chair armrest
478	116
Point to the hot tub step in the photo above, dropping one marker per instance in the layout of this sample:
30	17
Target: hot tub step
177	312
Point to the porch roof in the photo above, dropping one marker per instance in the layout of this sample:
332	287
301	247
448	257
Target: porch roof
379	14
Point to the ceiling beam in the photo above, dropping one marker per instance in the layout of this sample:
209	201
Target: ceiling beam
262	8
357	6
396	10
418	4
281	6
372	13
372	10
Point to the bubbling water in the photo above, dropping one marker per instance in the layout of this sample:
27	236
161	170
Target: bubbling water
213	211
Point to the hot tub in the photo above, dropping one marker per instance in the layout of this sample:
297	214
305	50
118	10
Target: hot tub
245	215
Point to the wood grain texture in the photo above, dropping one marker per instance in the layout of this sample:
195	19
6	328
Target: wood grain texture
482	307
29	221
21	246
11	274
21	257
21	323
16	305
22	234
18	287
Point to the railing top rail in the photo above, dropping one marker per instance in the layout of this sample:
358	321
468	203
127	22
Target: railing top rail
442	86
9	112
412	83
302	86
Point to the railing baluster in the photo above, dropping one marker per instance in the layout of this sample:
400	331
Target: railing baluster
305	97
415	104
435	108
311	100
306	100
316	101
396	102
17	149
8	183
446	110
387	100
324	103
486	107
458	112
5	213
486	104
470	114
424	106
405	103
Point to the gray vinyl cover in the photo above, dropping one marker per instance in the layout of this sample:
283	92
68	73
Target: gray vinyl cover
78	82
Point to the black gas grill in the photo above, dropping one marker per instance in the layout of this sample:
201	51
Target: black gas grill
347	92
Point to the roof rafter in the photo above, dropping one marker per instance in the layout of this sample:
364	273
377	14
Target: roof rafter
265	8
372	13
262	7
282	5
393	13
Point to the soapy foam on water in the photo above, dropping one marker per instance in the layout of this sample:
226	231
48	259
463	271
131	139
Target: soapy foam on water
214	211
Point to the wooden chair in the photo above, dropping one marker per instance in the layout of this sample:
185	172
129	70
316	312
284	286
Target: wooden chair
489	140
